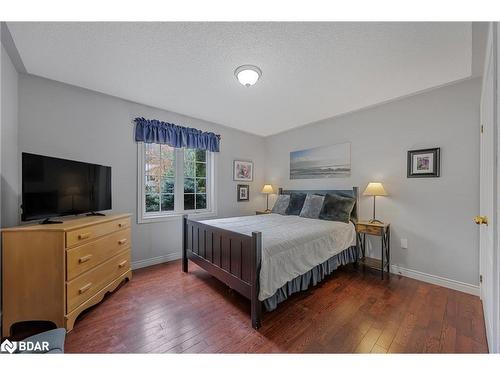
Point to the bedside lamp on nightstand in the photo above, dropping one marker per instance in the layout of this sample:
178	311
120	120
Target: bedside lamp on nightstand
375	189
267	189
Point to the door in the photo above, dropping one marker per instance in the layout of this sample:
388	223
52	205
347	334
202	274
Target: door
487	214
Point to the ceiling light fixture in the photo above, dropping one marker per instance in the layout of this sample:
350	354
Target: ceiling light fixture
248	75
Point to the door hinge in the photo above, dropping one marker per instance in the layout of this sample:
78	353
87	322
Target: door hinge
482	128
480	278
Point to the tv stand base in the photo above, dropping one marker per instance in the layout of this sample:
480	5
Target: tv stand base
48	221
95	214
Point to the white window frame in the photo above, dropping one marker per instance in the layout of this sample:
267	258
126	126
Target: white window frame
147	217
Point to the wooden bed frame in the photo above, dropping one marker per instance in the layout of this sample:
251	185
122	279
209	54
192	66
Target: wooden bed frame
234	258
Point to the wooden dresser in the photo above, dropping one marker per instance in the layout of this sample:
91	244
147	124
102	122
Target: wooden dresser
53	272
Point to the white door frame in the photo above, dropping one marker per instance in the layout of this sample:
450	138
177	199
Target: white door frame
496	250
492	320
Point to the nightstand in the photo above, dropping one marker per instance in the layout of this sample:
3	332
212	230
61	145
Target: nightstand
262	212
383	230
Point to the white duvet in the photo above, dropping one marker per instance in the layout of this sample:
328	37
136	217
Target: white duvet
291	245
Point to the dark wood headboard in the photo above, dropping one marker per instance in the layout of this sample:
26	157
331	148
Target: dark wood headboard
354	193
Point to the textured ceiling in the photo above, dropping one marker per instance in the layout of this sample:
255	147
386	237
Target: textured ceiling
311	71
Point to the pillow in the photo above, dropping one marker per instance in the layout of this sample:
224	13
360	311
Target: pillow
312	206
296	203
337	208
281	205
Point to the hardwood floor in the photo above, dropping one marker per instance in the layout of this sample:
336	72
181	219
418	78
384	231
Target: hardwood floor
164	310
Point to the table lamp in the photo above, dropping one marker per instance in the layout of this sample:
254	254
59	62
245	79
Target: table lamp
267	189
375	189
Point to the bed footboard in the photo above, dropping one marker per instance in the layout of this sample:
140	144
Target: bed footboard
231	257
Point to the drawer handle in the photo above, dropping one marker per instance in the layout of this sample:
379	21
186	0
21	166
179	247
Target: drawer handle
122	264
84	288
83	236
121	225
85	258
122	242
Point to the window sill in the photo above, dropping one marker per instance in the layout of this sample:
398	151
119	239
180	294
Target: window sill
176	216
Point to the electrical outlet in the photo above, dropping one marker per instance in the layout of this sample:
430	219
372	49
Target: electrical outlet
404	243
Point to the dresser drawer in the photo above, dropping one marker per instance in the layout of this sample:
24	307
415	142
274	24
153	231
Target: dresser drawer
85	286
87	256
369	229
87	234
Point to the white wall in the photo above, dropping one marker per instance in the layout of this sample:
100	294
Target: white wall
70	122
8	140
9	143
434	214
2	52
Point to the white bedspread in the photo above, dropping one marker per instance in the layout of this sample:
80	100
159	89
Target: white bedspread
291	245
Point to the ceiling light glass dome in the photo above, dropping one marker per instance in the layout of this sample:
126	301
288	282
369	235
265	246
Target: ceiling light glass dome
248	75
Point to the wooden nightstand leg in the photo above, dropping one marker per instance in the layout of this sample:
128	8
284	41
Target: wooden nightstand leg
388	248
364	245
382	250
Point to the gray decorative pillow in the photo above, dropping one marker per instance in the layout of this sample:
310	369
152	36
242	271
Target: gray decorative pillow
337	208
281	205
312	206
296	203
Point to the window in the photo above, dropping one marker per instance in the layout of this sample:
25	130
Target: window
195	179
159	174
174	181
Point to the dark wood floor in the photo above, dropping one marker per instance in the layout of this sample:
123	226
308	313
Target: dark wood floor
164	310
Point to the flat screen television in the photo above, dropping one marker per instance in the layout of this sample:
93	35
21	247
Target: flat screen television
53	187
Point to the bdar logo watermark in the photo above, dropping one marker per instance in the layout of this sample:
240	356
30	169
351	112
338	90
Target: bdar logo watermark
8	347
24	346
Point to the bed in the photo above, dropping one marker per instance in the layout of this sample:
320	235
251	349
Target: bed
266	258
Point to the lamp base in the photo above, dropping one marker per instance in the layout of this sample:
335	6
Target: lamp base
375	221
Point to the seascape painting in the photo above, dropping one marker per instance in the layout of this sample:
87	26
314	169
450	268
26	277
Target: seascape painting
321	162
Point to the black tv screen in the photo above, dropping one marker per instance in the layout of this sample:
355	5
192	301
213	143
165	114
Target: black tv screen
59	187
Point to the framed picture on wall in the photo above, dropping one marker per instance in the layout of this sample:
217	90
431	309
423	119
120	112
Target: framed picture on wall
242	170
243	193
321	162
424	163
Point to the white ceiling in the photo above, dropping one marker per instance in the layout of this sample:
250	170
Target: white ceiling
311	71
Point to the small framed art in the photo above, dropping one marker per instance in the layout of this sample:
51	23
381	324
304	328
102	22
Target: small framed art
242	170
424	163
243	193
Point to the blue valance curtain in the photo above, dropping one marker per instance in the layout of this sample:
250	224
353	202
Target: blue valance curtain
155	131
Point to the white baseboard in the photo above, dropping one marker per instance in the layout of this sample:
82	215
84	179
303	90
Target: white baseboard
437	280
395	269
156	260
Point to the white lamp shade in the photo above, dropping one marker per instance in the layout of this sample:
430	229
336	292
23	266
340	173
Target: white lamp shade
375	188
267	189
